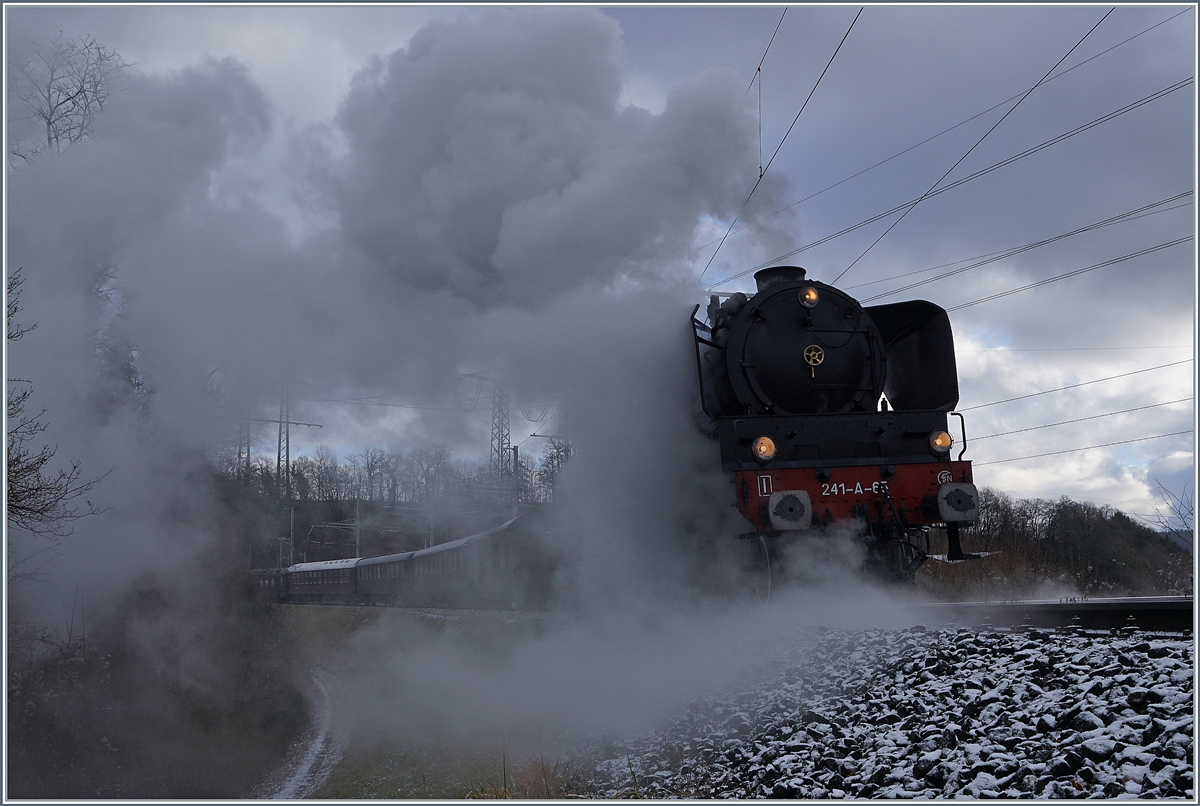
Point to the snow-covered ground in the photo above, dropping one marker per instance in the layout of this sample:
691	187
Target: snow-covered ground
919	713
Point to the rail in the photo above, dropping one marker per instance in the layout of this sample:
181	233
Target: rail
1162	613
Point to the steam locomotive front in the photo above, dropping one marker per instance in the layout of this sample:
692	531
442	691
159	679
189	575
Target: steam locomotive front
827	411
802	347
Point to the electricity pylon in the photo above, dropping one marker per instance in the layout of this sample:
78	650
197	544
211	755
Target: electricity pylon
500	462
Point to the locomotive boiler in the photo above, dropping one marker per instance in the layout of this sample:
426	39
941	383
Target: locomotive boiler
830	414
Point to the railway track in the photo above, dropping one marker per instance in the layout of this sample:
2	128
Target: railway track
1154	613
1151	613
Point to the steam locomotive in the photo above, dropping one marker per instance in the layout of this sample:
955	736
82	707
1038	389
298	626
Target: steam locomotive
830	414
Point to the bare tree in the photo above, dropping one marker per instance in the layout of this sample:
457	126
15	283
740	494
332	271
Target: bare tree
41	500
375	466
1180	516
62	84
427	463
325	475
554	457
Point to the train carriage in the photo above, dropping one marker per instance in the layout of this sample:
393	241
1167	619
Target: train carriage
503	567
323	582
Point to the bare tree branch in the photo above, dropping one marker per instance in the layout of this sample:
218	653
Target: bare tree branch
39	500
63	85
12	307
1180	516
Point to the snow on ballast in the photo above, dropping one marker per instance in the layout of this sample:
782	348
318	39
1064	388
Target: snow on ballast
919	713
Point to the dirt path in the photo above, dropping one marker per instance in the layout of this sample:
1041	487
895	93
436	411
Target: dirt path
312	758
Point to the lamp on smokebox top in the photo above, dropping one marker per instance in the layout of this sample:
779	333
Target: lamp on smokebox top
940	442
764	449
809	296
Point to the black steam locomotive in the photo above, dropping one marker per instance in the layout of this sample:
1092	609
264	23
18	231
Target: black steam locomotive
832	414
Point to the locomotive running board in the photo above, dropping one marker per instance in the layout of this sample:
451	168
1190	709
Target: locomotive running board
942	558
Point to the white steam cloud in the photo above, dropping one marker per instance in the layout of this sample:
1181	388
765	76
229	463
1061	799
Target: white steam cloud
492	205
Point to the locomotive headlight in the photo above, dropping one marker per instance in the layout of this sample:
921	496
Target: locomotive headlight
940	441
809	296
764	449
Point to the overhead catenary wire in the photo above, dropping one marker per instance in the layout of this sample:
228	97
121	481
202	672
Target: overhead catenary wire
972	148
1082	419
344	398
758	76
1130	215
1000	254
1074	273
1076	385
1003	253
1076	450
1067	349
431	406
971	177
474	400
950	129
763	171
535	418
765	52
374	400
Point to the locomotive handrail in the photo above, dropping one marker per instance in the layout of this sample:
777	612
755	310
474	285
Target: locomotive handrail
963	422
696	324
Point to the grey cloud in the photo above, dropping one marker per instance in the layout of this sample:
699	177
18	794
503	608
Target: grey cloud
491	157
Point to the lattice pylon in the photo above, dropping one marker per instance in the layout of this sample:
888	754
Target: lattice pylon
283	455
501	460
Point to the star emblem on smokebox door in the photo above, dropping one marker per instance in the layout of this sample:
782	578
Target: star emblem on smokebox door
813	355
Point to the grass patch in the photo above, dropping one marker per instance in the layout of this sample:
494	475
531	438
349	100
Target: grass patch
432	770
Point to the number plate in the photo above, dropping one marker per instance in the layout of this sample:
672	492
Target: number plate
857	488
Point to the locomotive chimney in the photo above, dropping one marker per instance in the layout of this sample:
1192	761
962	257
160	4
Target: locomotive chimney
778	274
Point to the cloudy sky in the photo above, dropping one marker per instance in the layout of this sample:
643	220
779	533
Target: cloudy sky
370	201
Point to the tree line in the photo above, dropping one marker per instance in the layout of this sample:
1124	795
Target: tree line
1091	549
396	476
